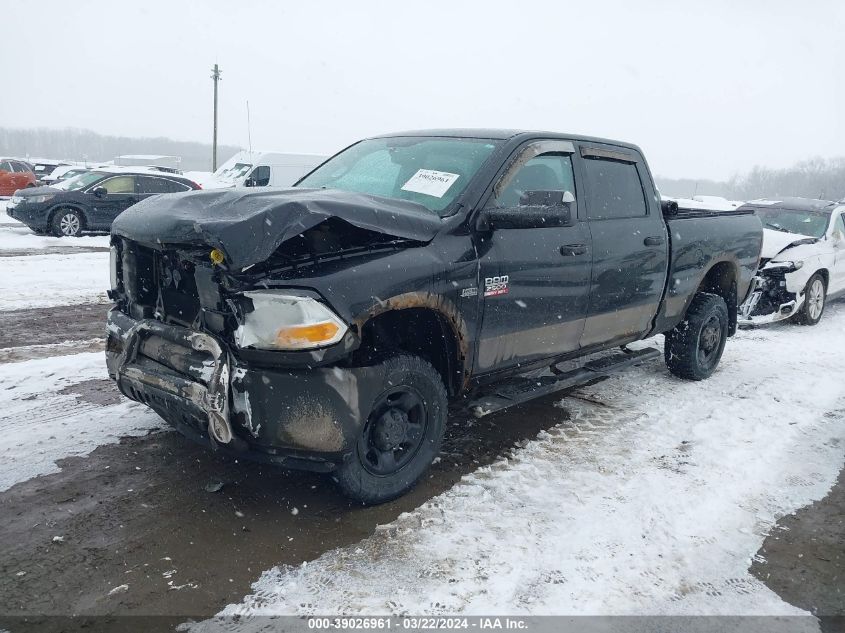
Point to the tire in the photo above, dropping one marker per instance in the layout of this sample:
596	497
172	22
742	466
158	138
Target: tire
67	223
401	436
693	349
815	299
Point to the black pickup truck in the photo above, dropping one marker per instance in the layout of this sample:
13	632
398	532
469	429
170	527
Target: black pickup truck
327	326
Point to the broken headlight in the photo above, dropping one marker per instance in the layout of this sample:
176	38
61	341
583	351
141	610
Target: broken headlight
787	266
287	322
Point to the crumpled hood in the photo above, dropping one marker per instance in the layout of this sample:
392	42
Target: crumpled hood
248	226
776	241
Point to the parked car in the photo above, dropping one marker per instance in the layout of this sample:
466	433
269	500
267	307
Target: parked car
90	201
263	169
327	326
45	167
64	172
802	264
14	175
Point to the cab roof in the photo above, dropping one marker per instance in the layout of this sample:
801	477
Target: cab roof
506	134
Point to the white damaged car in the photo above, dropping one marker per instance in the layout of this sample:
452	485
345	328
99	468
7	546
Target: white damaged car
802	265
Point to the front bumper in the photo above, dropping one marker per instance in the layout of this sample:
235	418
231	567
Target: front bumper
296	417
34	216
768	301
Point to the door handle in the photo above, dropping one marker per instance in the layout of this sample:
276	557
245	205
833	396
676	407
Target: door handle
655	240
573	249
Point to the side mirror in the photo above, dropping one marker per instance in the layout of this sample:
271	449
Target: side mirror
249	182
100	192
536	210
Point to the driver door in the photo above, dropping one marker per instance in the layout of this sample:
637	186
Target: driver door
534	281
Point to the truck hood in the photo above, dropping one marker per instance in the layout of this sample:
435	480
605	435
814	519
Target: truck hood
775	242
248	226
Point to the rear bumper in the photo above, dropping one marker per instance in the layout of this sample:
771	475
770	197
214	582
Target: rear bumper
299	418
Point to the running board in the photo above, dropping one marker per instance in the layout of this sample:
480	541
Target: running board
520	390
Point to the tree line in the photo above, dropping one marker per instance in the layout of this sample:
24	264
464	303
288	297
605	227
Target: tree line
815	178
85	145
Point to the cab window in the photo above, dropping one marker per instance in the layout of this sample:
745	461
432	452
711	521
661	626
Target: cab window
546	172
614	189
260	176
839	224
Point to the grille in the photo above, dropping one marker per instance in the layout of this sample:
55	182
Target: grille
161	282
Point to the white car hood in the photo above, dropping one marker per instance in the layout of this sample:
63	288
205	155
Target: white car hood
776	241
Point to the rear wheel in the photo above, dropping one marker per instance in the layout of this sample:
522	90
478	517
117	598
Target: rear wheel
693	349
401	435
815	295
67	223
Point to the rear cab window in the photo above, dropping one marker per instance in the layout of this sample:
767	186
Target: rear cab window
614	187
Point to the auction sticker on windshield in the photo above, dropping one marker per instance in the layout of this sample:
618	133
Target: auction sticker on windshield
430	182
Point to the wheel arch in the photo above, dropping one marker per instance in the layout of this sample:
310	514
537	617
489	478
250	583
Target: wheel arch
421	324
68	205
721	280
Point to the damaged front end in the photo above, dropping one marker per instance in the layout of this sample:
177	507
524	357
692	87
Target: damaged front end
774	294
259	372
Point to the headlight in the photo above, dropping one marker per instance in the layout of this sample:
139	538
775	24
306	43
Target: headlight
286	322
788	266
40	199
16	200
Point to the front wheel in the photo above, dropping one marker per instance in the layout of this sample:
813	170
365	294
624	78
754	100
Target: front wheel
67	223
693	349
401	435
815	295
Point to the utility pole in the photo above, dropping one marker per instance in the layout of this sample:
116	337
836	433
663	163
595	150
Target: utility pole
215	75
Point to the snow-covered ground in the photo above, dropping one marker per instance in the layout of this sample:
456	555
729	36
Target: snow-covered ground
652	501
49	279
17	236
38	281
42	420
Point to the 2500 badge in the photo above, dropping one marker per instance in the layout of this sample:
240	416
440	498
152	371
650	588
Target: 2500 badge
495	286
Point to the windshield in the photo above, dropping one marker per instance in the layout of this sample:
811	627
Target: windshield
81	181
432	171
70	173
810	223
235	172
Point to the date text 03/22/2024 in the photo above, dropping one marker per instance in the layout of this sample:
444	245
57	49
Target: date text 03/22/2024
417	623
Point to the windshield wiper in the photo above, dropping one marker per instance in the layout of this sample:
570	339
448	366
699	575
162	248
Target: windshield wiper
777	228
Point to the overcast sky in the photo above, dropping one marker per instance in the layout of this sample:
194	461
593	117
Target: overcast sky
706	88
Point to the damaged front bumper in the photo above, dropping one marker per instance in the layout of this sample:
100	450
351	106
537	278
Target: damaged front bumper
769	299
308	418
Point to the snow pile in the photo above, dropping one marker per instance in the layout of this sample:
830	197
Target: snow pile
39	425
39	281
651	502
